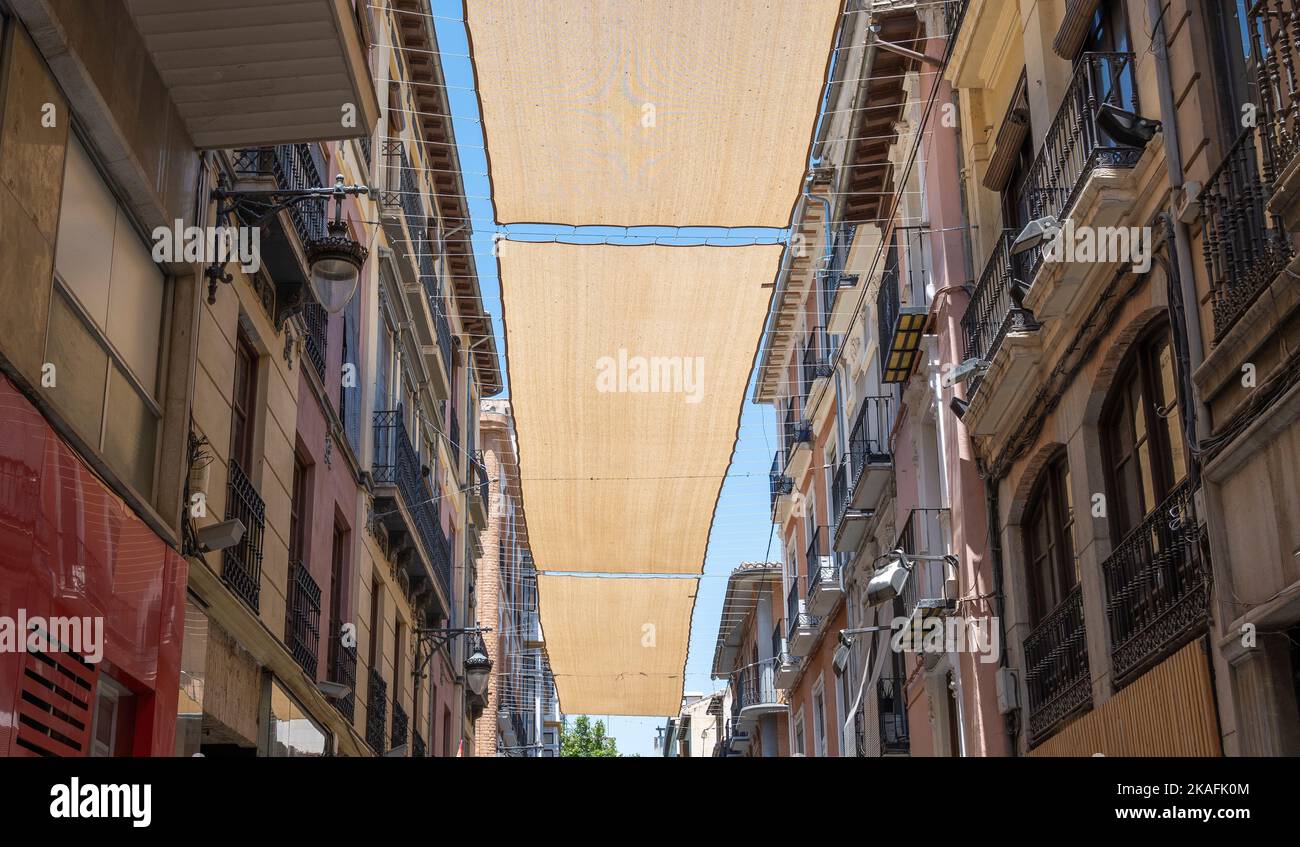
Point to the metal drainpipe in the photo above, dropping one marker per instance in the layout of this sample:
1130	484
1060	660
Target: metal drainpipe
1182	242
995	555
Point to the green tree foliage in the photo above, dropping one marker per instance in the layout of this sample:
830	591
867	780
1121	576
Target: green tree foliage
585	739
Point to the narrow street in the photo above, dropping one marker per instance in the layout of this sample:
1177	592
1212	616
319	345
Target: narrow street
886	379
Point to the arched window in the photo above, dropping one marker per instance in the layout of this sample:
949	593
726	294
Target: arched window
1142	434
1049	539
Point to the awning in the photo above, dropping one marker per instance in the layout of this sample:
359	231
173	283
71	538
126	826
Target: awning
671	113
617	645
628	367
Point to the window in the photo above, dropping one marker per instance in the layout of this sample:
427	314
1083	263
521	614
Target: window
798	733
1142	432
350	394
243	402
338	559
290	731
1049	540
399	661
114	721
819	719
106	328
297	507
1229	35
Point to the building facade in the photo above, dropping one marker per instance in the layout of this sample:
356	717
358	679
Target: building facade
343	444
521	715
747	658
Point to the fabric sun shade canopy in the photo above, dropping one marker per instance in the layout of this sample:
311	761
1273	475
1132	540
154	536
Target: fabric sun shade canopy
617	646
628	367
665	113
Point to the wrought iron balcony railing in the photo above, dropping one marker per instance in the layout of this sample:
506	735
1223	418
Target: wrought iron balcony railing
756	685
1157	586
953	13
816	361
442	330
418	748
376	711
1245	247
1056	660
994	309
397	463
317	321
868	445
479	469
241	565
833	278
892	703
823	569
1274	27
923	535
1075	142
778	483
903	300
796	617
343	670
302	618
293	167
401	726
794	430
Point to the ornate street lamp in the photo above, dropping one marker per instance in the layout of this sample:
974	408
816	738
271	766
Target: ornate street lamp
478	669
334	261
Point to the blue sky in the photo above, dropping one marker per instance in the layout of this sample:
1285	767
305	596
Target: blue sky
741	527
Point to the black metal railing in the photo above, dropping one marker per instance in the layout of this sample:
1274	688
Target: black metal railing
794	430
241	565
366	151
401	726
923	535
833	278
1056	661
815	363
397	463
302	618
778	483
892	704
904	285
757	684
1075	142
796	617
294	168
1245	246
868	445
442	330
317	337
480	476
994	309
376	711
1274	27
453	434
840	488
1157	586
418	748
953	13
343	670
822	570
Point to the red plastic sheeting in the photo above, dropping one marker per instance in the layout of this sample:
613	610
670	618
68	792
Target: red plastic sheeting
69	546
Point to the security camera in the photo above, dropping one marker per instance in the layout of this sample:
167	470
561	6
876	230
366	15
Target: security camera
963	372
888	582
219	536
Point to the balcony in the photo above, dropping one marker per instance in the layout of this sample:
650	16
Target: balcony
814	364
864	472
1245	246
406	506
1272	27
796	440
1056	662
418	748
735	738
839	289
302	618
246	74
1082	174
779	484
1001	332
891	701
401	727
757	692
479	494
343	670
825	580
903	301
925	534
376	712
241	565
801	631
785	669
1157	587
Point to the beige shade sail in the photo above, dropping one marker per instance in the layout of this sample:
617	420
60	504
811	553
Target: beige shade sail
628	367
667	113
617	646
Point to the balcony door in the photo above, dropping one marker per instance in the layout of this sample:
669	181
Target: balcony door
1109	33
1052	568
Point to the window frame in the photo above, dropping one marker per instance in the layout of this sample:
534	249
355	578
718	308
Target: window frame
1050	503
